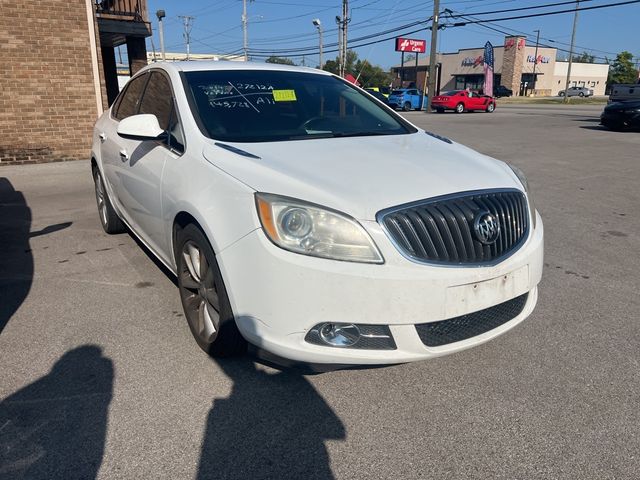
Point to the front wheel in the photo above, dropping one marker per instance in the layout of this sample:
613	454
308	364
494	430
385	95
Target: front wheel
561	94
406	107
204	296
581	94
460	108
490	108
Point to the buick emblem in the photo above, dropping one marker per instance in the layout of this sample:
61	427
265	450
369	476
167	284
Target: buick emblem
486	227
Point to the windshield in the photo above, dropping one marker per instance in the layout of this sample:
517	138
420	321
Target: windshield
271	105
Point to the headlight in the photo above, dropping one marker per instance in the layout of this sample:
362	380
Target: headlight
523	179
309	229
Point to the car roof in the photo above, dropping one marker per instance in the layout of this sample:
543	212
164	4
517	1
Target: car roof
212	65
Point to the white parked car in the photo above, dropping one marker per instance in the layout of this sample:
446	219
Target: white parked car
305	217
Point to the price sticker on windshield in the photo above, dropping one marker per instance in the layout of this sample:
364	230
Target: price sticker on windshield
284	95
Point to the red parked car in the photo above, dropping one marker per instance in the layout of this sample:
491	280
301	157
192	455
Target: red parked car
463	100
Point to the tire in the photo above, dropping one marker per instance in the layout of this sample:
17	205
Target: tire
581	94
460	108
406	107
490	108
204	296
561	94
109	219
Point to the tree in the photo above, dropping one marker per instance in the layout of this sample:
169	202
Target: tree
280	60
584	58
622	69
368	75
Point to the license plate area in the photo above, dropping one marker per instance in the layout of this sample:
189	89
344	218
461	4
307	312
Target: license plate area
463	299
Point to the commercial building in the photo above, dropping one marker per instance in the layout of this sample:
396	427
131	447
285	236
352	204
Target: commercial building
59	72
513	67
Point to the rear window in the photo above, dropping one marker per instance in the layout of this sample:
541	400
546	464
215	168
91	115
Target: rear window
271	105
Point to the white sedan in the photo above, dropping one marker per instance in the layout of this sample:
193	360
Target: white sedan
303	216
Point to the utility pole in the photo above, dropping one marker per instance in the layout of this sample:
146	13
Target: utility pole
432	55
187	23
160	14
345	22
342	22
535	61
573	38
245	38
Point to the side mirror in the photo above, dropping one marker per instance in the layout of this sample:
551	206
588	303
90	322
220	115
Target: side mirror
144	126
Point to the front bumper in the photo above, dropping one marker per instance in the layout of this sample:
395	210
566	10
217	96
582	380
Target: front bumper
278	296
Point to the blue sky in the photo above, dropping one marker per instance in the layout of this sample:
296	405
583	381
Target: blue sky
286	24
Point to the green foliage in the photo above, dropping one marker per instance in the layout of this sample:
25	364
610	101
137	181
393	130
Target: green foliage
369	75
280	60
622	69
584	58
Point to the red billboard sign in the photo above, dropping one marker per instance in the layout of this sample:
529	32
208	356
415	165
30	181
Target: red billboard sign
410	45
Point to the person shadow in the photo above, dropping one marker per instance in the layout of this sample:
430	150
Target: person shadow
55	428
16	258
272	426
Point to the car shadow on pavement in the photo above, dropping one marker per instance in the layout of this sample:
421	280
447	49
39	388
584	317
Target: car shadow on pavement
55	427
272	426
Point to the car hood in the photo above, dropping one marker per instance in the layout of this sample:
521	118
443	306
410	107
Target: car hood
361	175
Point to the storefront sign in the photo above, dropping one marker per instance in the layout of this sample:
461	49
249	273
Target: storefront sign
540	59
410	45
511	42
472	62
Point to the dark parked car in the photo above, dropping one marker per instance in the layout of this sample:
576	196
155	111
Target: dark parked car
621	116
502	91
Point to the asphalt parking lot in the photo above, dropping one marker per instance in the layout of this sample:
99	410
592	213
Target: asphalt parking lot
100	377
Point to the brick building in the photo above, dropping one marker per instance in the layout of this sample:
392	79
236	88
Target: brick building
59	72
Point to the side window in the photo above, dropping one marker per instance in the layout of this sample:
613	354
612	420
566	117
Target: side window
158	100
128	104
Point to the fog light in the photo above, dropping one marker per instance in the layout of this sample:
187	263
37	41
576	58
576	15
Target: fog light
339	334
349	335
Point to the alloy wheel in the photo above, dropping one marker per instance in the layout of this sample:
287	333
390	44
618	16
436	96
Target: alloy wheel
101	199
199	293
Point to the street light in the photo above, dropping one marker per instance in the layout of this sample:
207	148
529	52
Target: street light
318	24
160	14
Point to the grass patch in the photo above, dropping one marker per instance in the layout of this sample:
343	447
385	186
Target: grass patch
552	100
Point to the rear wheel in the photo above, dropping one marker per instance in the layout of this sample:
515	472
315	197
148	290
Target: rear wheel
581	94
490	108
204	296
460	108
109	219
561	94
406	107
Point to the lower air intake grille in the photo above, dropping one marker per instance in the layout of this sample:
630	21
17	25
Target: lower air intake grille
436	334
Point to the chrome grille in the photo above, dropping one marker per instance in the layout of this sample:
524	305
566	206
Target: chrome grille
441	229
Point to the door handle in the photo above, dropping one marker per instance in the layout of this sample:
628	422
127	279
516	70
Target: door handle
103	136
124	156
